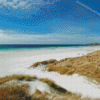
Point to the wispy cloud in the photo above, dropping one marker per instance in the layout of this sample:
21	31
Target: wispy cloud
92	10
24	4
52	38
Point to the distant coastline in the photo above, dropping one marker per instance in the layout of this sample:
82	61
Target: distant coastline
93	44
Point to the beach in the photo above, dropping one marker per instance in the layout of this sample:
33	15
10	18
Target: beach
18	62
10	60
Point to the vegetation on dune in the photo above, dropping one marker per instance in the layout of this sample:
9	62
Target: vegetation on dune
38	95
17	77
58	93
56	96
76	97
43	62
14	92
53	85
88	65
20	92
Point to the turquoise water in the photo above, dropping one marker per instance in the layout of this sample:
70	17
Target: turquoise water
27	47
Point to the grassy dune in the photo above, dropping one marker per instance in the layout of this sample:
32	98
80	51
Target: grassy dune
20	92
14	92
88	65
53	85
38	95
56	96
17	77
71	97
43	62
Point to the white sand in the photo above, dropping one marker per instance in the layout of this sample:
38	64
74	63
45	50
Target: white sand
17	62
32	85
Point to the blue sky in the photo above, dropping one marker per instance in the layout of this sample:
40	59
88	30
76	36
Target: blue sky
49	21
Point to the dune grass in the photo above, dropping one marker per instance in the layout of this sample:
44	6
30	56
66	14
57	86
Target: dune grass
53	85
60	93
20	92
14	92
17	77
39	95
88	65
75	97
54	96
43	62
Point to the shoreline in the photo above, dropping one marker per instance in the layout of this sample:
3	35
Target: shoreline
47	51
23	59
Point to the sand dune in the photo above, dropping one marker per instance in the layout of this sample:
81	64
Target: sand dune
69	73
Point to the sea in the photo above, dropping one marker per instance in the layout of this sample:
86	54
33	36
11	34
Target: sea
7	47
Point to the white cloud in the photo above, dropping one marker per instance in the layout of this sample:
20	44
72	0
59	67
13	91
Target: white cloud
53	38
4	36
24	4
92	10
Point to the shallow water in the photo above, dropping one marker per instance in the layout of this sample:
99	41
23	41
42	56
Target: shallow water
7	47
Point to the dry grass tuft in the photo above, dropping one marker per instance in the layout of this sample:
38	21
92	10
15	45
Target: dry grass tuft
75	97
39	95
14	92
70	97
43	62
17	77
88	65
